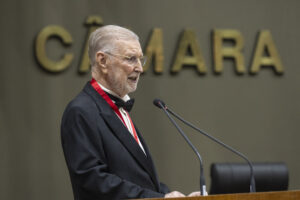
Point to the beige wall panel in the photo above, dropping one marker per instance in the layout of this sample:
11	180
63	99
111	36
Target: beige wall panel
258	115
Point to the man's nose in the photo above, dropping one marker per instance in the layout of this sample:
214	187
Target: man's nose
139	67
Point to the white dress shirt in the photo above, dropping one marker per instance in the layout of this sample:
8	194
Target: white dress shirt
124	113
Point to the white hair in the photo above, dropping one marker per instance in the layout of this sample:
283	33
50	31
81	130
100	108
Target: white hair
104	39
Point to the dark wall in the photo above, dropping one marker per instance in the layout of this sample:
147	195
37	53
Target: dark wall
257	114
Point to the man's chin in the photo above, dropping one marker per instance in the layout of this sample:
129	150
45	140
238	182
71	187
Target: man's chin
131	89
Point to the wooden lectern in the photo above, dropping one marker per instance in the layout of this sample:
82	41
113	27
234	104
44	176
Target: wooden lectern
284	195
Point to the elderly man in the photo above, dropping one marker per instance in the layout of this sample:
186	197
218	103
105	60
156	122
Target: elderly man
106	155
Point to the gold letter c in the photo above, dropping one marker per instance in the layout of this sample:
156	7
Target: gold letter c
40	48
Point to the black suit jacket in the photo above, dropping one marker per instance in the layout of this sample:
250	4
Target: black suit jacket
104	160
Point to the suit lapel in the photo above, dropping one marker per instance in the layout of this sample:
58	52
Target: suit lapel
122	133
149	159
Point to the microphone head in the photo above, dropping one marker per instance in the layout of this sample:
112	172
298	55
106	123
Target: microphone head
159	103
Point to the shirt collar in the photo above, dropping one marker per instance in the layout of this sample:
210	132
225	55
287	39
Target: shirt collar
125	98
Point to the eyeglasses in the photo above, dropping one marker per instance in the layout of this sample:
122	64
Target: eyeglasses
132	60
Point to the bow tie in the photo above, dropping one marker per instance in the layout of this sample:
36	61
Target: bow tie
120	103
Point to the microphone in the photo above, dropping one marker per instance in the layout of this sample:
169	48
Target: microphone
161	105
252	179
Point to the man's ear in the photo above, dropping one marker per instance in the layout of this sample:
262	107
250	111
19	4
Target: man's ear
101	60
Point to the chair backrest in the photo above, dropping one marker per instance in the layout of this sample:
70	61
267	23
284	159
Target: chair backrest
235	177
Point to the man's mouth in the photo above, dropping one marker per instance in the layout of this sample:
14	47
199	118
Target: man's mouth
133	78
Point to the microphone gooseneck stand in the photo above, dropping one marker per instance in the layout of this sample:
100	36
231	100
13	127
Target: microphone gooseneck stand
252	179
161	105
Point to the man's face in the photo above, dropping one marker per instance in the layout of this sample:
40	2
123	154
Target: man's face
123	74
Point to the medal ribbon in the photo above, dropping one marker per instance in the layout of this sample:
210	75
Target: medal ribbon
96	86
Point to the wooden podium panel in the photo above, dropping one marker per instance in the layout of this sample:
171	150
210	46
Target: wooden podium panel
282	195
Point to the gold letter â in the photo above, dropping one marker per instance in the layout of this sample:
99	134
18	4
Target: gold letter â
94	22
40	48
188	42
234	52
265	42
154	51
